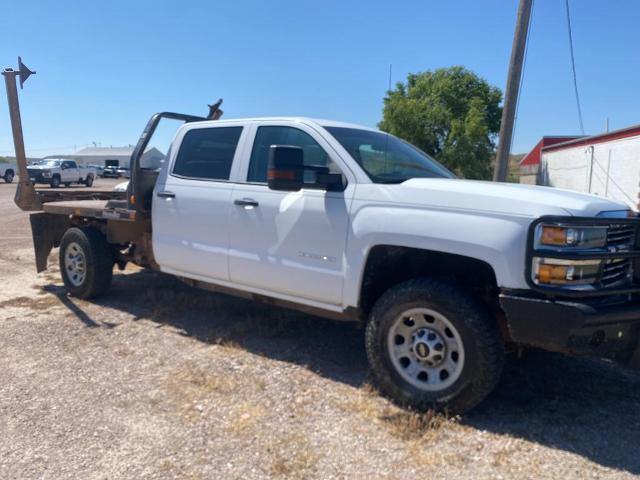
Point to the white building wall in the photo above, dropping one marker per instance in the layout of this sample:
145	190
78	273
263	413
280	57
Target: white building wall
100	160
609	169
150	159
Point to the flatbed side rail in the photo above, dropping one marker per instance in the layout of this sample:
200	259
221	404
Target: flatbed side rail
48	196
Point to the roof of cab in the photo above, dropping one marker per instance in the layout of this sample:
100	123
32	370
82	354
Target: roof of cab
306	120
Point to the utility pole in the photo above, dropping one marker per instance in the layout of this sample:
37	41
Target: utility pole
511	92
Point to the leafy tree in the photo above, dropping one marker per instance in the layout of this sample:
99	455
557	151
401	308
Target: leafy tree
451	114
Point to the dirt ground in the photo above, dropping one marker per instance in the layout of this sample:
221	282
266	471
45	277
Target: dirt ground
159	380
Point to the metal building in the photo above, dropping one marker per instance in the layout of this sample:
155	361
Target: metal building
607	164
152	158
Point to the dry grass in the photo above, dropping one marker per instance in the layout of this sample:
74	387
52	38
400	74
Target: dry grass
410	426
293	457
37	304
190	385
245	417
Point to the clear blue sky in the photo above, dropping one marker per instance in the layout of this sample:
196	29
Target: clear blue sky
105	67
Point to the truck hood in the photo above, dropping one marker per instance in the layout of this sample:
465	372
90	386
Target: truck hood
40	167
507	198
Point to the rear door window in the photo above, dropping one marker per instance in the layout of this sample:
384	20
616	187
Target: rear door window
207	153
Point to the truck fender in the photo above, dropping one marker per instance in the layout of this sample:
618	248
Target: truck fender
495	240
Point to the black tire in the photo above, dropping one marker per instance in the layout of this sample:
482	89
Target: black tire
8	176
55	181
478	331
67	184
89	181
98	262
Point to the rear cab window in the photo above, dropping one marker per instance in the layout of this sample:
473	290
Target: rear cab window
207	153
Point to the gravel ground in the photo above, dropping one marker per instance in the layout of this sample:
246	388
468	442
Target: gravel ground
159	380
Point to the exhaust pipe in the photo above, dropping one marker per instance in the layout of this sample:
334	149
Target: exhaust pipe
26	196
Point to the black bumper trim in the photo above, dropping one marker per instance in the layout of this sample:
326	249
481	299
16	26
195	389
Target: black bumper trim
611	331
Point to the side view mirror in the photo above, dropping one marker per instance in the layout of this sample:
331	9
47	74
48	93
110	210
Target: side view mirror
63	167
286	171
286	168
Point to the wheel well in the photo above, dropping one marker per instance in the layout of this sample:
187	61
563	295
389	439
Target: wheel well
388	265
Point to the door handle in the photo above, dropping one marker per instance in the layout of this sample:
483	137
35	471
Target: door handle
245	202
166	194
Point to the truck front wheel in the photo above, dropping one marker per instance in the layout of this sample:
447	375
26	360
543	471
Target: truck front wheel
55	181
86	262
8	176
431	344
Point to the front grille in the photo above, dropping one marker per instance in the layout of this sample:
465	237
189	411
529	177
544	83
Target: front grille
618	271
621	236
35	173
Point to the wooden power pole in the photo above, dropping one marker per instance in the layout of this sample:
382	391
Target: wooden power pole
511	92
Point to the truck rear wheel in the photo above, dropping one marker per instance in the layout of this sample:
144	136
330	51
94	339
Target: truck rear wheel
431	344
86	262
89	181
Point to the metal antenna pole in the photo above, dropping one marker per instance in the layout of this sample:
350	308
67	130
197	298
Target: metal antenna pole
511	93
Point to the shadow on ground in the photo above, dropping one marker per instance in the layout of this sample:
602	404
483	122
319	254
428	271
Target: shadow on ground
587	407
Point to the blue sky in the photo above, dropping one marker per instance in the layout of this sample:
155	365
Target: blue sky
105	67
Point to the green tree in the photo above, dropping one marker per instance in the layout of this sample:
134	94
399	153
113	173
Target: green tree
451	114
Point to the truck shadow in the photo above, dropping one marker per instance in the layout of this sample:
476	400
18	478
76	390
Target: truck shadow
587	407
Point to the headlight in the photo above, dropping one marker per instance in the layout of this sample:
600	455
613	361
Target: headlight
554	236
46	173
554	271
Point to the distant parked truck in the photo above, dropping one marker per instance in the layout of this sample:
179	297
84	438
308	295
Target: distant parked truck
56	172
8	171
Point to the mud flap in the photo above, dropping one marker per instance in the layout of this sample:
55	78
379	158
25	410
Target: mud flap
47	230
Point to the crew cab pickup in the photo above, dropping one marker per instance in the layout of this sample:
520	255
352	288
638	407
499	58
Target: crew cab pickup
355	224
8	171
56	172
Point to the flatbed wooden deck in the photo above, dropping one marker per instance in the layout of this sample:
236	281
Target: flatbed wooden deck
106	209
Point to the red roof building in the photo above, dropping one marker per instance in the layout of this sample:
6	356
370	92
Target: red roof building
607	164
531	161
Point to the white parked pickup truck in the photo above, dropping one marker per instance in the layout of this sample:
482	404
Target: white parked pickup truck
8	171
56	172
353	224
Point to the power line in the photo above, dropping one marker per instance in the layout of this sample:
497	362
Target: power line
573	67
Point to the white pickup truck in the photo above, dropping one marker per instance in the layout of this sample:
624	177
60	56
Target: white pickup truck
8	171
353	224
56	172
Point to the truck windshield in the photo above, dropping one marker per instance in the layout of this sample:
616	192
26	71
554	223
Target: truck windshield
385	158
51	163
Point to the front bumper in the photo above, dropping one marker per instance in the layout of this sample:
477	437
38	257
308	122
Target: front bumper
608	331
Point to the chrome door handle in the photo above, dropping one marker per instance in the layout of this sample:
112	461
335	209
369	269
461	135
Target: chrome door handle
166	194
245	202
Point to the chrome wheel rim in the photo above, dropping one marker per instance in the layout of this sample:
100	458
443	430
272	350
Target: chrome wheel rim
75	264
426	349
